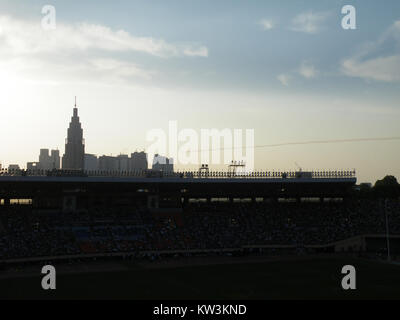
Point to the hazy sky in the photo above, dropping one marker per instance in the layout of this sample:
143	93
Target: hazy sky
286	69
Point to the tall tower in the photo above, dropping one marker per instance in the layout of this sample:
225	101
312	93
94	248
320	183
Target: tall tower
74	144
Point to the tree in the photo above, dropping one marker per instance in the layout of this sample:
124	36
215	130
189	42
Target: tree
388	187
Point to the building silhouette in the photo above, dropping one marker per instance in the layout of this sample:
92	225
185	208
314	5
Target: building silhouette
123	162
138	161
120	163
108	163
32	166
91	162
161	163
74	145
46	161
12	167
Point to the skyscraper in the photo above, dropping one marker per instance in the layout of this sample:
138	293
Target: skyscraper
74	144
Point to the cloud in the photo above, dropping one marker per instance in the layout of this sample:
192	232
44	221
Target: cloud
386	69
267	24
379	60
27	37
284	79
119	69
80	52
308	22
307	70
196	52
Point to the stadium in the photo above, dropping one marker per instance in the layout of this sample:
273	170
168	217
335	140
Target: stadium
124	204
109	226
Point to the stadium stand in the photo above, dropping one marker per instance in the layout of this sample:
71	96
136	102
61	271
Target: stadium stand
200	226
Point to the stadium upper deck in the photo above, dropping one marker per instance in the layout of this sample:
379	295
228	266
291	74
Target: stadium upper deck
169	189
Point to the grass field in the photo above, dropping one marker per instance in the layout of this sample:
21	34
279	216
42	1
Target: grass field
298	279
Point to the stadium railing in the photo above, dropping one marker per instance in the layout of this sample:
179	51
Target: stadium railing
317	174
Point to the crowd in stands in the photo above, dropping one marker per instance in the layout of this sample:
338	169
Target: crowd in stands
25	232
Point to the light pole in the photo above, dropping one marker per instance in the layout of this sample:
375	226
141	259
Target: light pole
387	230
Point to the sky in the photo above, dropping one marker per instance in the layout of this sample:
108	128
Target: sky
285	69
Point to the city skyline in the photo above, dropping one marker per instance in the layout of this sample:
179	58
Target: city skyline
75	157
291	73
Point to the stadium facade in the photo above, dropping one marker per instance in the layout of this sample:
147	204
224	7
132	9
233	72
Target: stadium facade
58	190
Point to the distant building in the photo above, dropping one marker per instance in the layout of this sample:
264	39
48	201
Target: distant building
161	163
55	159
108	163
91	162
44	159
13	167
32	166
122	162
48	162
138	161
74	145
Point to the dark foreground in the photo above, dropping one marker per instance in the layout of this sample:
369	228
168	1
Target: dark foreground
302	278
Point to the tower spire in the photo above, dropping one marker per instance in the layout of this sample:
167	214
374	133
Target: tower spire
75	109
